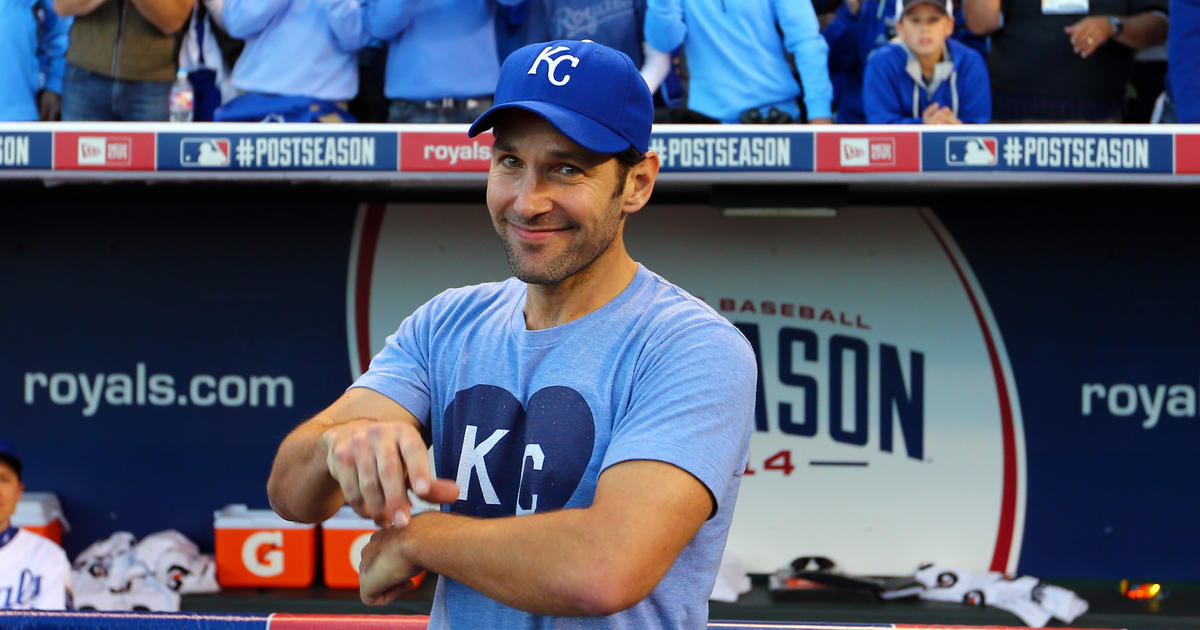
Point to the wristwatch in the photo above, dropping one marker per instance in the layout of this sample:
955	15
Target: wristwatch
1117	24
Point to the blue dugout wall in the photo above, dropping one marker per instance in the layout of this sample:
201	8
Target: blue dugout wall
167	321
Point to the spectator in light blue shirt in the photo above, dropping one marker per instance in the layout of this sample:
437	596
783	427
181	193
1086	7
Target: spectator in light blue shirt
735	51
33	48
297	47
442	61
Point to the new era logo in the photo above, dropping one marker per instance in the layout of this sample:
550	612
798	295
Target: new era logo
868	151
971	151
204	152
102	151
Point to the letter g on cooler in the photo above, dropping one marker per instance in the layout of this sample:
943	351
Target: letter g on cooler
552	63
262	553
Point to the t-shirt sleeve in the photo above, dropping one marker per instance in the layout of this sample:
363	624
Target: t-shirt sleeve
401	369
692	407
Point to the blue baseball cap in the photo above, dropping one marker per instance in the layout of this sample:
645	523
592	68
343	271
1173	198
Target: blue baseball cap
8	455
591	93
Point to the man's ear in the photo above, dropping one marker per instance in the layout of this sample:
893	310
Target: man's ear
639	183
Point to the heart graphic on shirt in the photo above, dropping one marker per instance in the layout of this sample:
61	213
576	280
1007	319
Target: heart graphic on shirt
512	459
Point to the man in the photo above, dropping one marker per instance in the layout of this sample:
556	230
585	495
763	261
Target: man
1062	60
594	418
34	572
122	58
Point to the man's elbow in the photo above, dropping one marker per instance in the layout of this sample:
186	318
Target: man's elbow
606	591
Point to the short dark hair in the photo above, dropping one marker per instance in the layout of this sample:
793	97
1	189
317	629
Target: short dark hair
12	462
626	160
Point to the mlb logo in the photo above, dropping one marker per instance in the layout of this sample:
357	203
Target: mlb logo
92	151
204	152
971	151
868	151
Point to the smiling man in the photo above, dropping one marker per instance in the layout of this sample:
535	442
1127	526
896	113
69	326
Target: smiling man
590	419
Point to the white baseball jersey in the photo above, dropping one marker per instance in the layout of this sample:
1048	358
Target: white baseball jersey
34	572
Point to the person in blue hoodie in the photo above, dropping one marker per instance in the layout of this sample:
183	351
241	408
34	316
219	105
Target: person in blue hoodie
857	30
33	49
926	77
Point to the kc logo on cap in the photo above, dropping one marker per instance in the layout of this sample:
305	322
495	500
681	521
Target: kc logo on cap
552	63
591	93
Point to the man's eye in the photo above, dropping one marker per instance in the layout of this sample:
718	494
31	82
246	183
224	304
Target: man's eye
567	169
510	161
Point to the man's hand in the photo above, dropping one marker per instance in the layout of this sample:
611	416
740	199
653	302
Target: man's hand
383	573
49	105
1089	34
938	115
820	121
375	463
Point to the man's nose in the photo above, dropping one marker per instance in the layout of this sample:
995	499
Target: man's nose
532	196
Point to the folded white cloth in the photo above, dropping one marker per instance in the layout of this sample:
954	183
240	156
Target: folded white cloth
117	574
1024	596
177	562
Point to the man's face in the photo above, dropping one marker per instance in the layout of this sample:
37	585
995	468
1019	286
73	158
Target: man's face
555	205
924	29
10	493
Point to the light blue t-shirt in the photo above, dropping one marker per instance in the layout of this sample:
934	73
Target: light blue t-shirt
525	421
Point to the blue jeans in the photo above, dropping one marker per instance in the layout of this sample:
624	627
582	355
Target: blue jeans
90	96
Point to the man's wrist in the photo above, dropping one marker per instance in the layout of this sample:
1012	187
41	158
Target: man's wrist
1117	25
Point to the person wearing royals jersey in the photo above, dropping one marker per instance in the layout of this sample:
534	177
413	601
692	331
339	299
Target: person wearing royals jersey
34	572
589	420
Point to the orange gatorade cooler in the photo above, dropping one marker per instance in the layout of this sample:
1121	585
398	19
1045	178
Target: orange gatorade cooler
41	513
256	548
343	537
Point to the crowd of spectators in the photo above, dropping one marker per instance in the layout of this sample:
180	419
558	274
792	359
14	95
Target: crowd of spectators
717	61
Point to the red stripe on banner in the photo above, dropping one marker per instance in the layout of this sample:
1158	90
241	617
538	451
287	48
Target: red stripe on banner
104	151
285	621
367	241
1008	501
860	152
1187	154
444	152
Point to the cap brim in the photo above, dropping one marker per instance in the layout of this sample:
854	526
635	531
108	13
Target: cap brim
582	130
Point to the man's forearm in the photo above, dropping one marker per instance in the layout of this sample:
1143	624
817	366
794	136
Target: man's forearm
544	563
1142	30
76	7
168	15
982	16
300	487
596	560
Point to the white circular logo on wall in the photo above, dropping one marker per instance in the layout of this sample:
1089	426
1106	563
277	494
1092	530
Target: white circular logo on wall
888	432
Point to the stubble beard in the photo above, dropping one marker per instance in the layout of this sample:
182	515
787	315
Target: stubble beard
577	257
